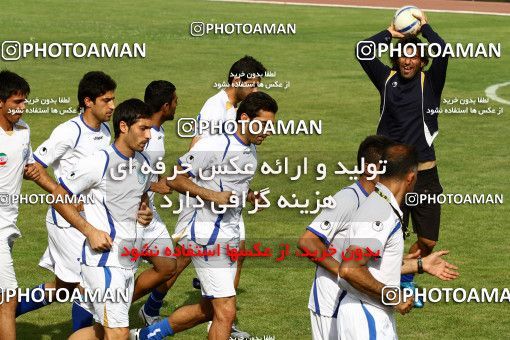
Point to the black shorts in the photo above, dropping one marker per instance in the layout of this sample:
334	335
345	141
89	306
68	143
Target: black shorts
425	216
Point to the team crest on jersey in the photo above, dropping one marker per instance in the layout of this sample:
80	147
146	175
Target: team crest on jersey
377	226
325	225
190	158
71	175
3	159
43	151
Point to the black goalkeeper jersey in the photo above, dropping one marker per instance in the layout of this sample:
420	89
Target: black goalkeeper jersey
405	102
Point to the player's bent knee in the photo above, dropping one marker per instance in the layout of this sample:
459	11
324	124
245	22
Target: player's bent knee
225	311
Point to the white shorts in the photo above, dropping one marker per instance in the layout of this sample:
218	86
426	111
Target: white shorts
110	312
323	327
216	273
156	237
63	254
7	274
359	320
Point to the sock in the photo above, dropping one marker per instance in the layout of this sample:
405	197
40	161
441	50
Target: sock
407	278
81	317
154	303
158	331
28	303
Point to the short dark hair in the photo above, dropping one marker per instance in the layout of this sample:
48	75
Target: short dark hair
157	93
372	149
408	39
94	84
12	84
129	111
255	102
247	65
401	159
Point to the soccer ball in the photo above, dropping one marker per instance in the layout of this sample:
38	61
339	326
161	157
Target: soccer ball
405	22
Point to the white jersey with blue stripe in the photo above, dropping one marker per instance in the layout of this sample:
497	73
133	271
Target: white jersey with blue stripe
68	143
218	109
218	152
15	153
116	201
377	226
331	227
155	150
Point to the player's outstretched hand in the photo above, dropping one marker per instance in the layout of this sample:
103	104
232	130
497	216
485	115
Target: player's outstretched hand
99	240
394	32
404	307
144	214
31	172
222	197
435	265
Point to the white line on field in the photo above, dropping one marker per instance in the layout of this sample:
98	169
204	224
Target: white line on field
491	93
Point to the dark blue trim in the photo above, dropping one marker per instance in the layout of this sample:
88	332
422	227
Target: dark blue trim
397	227
323	238
189	172
355	192
54	215
239	139
146	159
372	333
315	294
84	261
226	148
162	128
344	293
208	296
113	232
107	128
107	277
119	153
198	118
157	128
90	128
39	161
362	189
79	134
107	162
192	222
216	230
65	186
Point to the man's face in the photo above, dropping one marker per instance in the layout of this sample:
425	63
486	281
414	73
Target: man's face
138	134
244	88
12	108
409	66
102	108
259	124
171	107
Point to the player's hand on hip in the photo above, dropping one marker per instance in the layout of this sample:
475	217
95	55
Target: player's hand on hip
394	32
404	307
435	265
99	240
145	214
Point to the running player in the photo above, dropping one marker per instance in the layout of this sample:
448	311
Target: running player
15	160
209	229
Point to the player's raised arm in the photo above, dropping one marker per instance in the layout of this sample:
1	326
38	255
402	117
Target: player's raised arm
437	71
365	52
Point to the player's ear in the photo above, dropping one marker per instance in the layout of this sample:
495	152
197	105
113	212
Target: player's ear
88	102
244	116
124	128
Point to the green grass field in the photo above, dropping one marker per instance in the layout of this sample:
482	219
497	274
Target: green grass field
326	83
